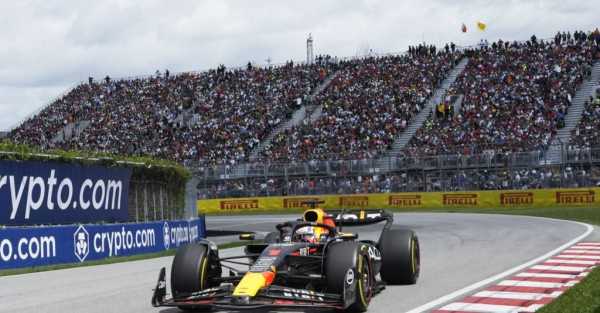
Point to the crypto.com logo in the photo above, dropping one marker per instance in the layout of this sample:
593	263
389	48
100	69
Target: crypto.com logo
166	236
81	242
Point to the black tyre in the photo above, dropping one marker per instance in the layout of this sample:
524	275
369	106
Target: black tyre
400	256
341	257
272	237
192	270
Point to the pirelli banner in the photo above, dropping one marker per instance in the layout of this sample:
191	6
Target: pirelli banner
538	198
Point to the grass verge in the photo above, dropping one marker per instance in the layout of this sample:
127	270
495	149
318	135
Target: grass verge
586	215
112	260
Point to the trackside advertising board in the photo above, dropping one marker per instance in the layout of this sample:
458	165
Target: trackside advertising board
537	198
35	193
38	246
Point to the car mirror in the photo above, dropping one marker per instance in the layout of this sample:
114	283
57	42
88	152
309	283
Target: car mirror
348	236
249	236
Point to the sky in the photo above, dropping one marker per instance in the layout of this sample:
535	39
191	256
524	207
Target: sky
48	47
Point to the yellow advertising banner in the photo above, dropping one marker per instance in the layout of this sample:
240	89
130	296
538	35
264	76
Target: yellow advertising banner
538	198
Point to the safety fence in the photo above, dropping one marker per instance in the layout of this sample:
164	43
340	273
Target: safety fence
333	165
540	198
38	246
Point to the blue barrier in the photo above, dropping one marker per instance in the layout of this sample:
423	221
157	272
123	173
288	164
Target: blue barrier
34	193
38	246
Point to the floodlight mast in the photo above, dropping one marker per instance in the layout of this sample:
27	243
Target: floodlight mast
310	57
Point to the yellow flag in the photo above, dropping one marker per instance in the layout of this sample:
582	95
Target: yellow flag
481	25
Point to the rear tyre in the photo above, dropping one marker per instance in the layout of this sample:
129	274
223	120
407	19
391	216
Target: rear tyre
400	256
341	257
192	270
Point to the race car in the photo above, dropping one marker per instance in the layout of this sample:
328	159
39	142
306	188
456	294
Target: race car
309	262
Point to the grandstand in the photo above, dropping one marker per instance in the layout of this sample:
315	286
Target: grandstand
505	115
373	93
515	98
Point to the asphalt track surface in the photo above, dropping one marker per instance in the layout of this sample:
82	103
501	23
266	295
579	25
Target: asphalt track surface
457	250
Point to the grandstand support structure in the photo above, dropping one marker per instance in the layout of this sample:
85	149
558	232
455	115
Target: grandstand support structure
417	121
558	147
310	110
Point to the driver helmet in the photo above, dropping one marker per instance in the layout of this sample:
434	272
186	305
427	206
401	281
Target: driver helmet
307	234
315	233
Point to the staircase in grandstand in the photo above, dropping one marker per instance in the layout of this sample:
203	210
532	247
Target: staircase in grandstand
559	145
310	111
417	121
71	130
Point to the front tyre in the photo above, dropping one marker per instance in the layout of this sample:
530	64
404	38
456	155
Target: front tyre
192	270
347	255
400	256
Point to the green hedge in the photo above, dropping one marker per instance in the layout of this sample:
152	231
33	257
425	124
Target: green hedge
143	168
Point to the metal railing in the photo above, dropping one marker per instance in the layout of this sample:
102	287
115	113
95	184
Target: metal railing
501	178
580	167
336	167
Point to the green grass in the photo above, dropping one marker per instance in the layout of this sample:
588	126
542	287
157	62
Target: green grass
586	215
582	298
112	260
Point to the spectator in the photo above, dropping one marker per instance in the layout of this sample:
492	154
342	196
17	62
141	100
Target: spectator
365	108
515	98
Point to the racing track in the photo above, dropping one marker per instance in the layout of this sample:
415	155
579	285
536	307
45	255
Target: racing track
457	250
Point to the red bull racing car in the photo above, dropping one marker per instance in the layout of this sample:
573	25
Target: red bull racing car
309	262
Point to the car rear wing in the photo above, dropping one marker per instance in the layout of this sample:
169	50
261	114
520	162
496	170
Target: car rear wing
358	217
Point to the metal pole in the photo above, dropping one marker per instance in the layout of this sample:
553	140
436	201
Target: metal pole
135	201
145	201
162	203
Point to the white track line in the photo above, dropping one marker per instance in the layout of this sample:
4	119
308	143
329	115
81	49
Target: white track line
580	262
451	296
579	256
583	247
593	252
527	283
574	269
480	307
512	295
546	275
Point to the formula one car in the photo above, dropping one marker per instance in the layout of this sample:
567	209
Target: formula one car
309	262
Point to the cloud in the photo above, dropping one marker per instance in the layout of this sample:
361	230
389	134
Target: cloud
49	46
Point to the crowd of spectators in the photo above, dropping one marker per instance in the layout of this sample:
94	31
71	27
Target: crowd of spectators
367	105
572	176
515	97
230	111
587	132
